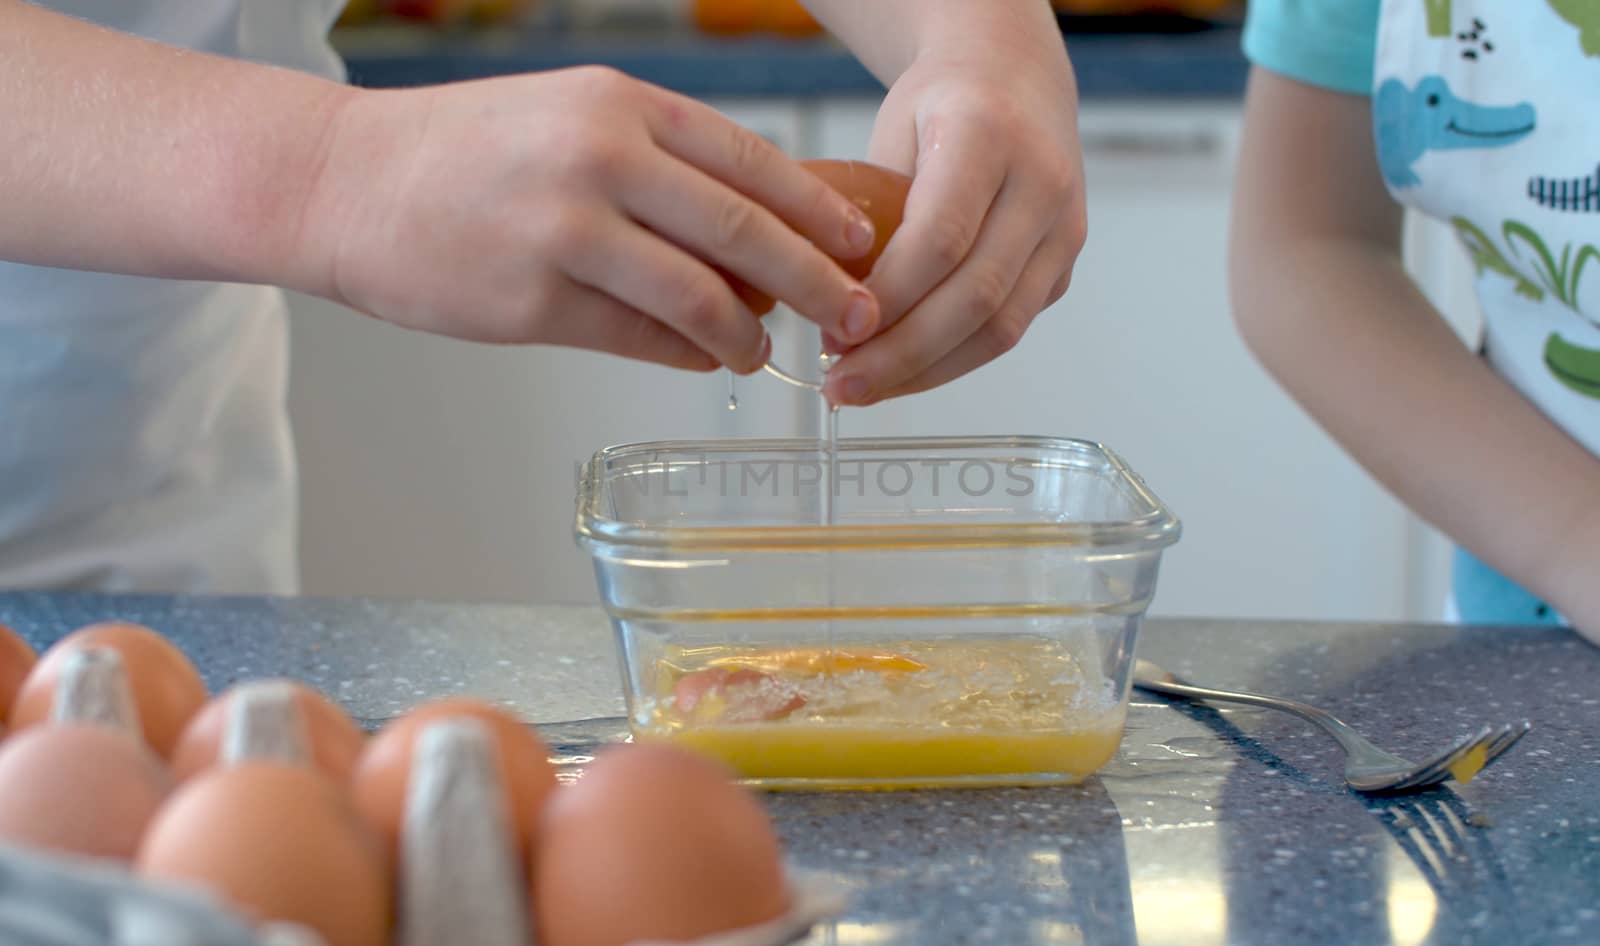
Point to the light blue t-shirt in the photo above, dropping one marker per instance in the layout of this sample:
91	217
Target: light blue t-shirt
1326	43
1333	44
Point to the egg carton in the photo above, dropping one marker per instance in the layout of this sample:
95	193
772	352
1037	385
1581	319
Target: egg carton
459	882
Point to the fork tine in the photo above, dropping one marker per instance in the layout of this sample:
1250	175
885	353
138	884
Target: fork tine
1494	742
1424	777
1437	769
1507	740
1502	737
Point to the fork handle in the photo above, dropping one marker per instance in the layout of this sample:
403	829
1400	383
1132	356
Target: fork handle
1351	740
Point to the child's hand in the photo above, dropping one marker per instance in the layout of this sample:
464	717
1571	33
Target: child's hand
578	208
994	221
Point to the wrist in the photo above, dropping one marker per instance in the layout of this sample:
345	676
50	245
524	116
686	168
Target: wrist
1018	34
267	205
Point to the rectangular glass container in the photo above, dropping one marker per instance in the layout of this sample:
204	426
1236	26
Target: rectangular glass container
968	619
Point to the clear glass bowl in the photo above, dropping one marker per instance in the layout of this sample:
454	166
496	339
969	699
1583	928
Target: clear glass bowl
969	619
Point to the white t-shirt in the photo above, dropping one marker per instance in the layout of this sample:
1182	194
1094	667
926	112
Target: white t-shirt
144	436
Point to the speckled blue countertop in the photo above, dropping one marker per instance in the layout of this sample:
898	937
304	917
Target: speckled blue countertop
1209	827
1201	64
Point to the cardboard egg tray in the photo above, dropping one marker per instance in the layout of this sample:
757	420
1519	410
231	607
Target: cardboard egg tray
459	882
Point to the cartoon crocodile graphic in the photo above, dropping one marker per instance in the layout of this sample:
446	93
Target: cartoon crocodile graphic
1576	194
1409	122
1585	15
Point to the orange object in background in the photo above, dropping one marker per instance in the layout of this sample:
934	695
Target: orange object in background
500	11
733	17
357	12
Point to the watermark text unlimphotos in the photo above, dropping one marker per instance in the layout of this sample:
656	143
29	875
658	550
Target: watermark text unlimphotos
775	478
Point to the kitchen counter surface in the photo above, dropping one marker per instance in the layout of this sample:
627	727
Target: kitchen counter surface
1203	64
1210	826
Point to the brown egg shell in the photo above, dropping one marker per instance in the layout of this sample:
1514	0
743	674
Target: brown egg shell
383	771
79	789
335	739
665	831
167	690
17	660
279	843
814	899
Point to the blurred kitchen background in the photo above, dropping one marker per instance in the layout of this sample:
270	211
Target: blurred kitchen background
445	470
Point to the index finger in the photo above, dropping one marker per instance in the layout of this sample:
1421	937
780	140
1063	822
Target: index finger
755	167
957	181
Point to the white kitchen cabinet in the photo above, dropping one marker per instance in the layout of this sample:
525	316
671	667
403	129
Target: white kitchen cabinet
441	469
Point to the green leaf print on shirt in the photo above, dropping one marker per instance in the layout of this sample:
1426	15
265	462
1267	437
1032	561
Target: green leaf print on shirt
1576	367
1559	277
1487	256
1439	17
1585	15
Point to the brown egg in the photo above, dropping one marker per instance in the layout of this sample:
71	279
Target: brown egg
16	660
282	844
335	738
167	690
87	790
654	843
878	191
382	772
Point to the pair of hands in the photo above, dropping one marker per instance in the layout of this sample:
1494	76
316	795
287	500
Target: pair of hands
587	209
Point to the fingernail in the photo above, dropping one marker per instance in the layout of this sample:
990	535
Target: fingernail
858	231
859	316
760	360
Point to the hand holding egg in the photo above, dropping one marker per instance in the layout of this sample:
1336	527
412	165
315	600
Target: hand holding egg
986	113
878	192
577	207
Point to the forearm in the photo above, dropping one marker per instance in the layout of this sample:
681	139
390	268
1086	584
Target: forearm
1344	330
887	35
122	155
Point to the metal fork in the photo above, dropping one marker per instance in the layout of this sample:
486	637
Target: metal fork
1368	768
